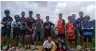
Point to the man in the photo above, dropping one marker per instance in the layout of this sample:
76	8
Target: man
6	30
23	28
30	24
61	27
39	27
47	27
87	32
80	23
76	28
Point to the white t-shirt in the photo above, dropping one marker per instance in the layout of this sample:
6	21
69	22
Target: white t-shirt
46	44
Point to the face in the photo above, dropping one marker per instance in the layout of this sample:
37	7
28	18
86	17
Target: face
30	14
70	19
7	14
23	13
81	14
60	16
47	18
73	16
49	38
16	19
86	19
38	16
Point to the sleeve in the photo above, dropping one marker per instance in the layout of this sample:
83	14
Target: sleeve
52	24
3	19
63	21
53	43
44	43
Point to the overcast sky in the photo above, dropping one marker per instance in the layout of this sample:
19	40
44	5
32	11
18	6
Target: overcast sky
50	8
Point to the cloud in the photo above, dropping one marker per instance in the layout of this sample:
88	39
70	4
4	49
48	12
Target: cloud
50	8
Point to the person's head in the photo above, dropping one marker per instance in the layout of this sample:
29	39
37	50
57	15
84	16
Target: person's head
87	18
70	18
22	13
38	16
49	38
59	39
73	16
60	16
47	18
7	12
81	14
17	17
30	13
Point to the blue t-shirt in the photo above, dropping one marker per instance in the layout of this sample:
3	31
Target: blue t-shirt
17	23
87	28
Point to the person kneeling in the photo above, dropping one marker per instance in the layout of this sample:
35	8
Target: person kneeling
48	44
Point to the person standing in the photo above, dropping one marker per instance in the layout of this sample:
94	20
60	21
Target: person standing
61	27
6	29
30	24
47	27
39	27
80	23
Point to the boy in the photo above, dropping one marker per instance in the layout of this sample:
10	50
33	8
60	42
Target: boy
39	27
61	46
48	44
47	27
61	27
23	28
70	34
30	24
87	32
6	29
16	32
80	23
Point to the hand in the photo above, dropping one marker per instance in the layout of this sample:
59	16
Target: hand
30	29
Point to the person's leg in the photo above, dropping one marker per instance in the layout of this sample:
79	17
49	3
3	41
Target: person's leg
81	37
39	35
90	42
8	35
73	44
84	42
26	41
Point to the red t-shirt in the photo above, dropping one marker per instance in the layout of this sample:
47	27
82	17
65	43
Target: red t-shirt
70	31
61	26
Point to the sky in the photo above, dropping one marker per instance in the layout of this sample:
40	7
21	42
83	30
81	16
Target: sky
50	8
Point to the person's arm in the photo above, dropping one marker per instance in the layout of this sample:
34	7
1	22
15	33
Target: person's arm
52	25
34	25
3	22
10	21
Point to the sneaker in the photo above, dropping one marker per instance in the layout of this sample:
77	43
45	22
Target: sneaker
9	49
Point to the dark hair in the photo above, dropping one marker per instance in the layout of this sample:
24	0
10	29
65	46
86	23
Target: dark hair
30	11
80	12
87	16
17	16
37	14
69	17
60	13
7	11
73	14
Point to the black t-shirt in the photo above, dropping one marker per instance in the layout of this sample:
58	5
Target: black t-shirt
7	19
48	25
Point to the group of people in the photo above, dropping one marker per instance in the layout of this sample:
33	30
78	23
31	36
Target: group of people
30	30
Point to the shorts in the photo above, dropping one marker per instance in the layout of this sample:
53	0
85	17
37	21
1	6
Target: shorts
61	36
89	37
5	32
16	33
23	32
47	33
38	34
